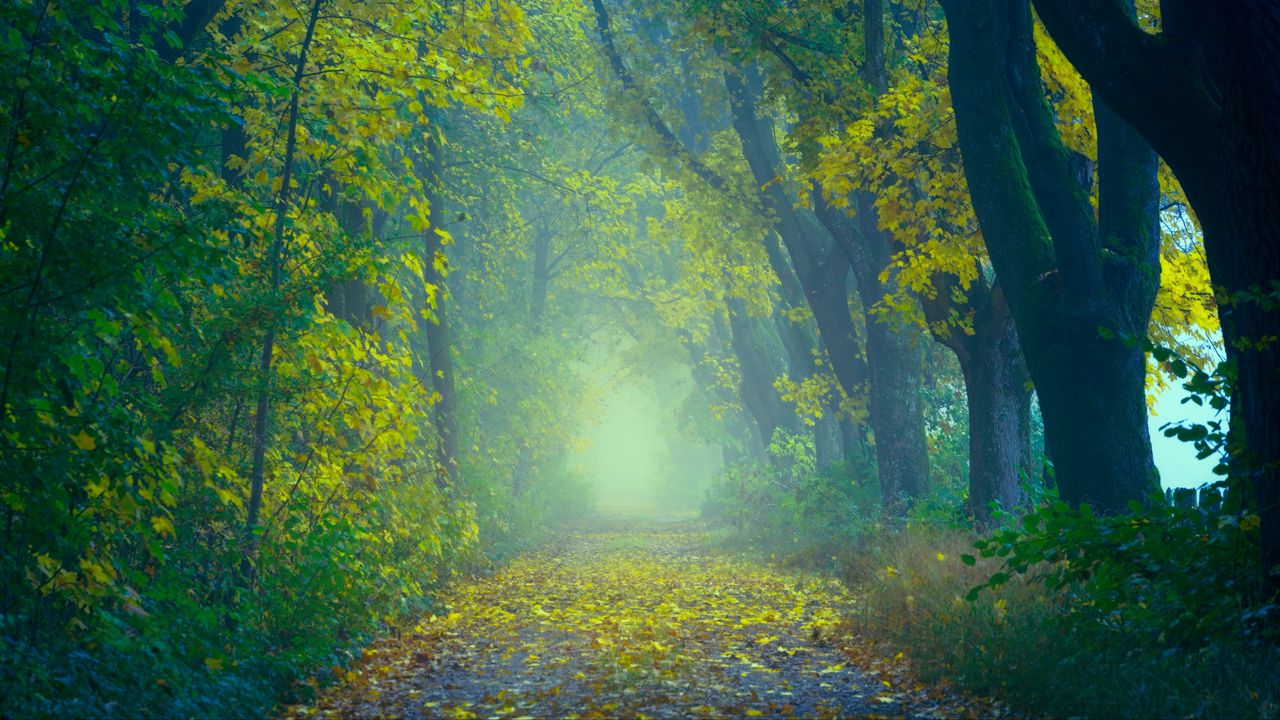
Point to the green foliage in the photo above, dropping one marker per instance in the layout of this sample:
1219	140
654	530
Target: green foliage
1013	637
138	285
1172	576
785	507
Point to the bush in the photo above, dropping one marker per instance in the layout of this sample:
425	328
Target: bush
1155	626
788	509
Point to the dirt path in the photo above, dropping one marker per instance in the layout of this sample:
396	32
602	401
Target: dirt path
633	621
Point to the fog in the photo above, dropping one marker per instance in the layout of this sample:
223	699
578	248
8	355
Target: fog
637	457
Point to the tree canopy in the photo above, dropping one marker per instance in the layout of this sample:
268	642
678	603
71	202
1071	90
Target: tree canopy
308	310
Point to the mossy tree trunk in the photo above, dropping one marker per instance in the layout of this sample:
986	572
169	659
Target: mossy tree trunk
1206	93
1065	274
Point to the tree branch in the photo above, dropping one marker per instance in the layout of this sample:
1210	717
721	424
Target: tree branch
1152	81
651	116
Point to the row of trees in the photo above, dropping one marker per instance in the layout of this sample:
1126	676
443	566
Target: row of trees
262	385
913	171
297	297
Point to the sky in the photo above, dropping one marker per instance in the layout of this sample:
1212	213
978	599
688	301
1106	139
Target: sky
1175	459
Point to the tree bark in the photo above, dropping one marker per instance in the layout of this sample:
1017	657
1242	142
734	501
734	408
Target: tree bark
1063	275
893	357
1206	94
998	393
439	344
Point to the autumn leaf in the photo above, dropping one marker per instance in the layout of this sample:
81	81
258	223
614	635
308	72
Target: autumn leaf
84	441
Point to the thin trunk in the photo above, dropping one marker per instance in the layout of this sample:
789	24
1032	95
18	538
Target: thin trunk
541	278
352	299
439	344
261	420
759	367
828	445
744	437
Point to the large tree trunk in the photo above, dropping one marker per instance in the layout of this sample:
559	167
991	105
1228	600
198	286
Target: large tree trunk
1206	94
997	390
1252	257
1064	274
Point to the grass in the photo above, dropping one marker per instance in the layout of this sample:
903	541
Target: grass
1014	643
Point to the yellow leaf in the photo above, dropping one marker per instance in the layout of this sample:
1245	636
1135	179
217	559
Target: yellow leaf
213	663
84	441
162	525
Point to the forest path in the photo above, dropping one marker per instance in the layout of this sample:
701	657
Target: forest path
635	620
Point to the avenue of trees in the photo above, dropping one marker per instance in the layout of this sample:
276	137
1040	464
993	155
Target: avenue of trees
297	302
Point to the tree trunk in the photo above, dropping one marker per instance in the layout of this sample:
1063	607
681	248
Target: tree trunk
1206	94
997	387
893	405
760	365
439	344
353	299
541	278
997	390
1064	275
743	440
828	445
262	419
1251	261
893	359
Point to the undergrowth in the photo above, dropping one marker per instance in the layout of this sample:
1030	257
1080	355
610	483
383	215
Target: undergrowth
1168	640
1060	612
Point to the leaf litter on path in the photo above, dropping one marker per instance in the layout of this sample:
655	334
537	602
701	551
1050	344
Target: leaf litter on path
638	621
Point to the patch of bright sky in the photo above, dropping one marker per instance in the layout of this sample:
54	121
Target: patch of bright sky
1175	459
